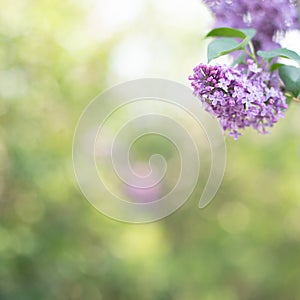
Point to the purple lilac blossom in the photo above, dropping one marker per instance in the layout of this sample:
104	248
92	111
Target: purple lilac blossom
271	18
239	97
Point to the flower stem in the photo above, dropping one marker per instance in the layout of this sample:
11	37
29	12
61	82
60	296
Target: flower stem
252	52
292	98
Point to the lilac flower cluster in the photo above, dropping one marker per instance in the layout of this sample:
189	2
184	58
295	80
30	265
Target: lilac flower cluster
239	97
271	18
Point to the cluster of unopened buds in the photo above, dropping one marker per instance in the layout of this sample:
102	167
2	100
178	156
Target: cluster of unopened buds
256	89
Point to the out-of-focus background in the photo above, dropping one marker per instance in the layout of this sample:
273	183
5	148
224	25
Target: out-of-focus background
55	56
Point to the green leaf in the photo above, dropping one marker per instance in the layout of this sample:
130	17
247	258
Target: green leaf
282	52
232	32
276	66
227	44
290	76
221	47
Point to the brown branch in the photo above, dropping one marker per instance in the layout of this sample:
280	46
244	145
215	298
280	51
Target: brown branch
296	99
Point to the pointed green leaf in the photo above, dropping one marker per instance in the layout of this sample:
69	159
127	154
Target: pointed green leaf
232	32
276	66
227	44
221	47
281	52
290	76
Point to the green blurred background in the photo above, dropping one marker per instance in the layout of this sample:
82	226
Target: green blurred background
55	56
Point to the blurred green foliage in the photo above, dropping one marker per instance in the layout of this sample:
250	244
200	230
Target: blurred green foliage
55	245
